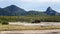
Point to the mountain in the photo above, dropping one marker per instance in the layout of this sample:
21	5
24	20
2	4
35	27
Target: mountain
12	10
0	8
3	12
32	12
51	12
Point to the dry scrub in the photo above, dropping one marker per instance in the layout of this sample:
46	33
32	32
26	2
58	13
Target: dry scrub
16	27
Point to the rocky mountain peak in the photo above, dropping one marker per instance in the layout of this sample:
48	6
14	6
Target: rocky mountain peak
50	11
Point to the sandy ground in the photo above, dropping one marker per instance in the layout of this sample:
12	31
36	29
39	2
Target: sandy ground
36	24
56	31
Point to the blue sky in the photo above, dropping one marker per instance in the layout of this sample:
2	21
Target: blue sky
38	5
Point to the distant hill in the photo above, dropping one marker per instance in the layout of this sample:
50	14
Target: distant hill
32	12
13	10
51	12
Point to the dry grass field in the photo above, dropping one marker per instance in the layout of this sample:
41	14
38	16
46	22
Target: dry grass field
21	27
57	31
25	29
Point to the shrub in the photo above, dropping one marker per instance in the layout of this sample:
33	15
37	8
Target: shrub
5	23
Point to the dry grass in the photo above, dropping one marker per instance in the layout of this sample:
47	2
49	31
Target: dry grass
16	27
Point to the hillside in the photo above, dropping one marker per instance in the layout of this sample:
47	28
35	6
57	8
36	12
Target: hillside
34	13
13	10
51	12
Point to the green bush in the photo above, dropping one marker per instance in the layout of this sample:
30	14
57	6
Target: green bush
4	23
29	18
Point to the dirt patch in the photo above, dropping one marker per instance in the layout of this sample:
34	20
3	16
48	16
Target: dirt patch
32	32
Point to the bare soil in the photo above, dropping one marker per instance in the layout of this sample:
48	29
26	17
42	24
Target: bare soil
56	31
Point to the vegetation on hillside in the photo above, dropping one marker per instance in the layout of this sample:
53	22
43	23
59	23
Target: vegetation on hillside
29	18
5	19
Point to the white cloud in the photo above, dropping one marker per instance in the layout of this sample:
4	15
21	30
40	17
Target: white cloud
35	0
40	1
54	0
26	0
